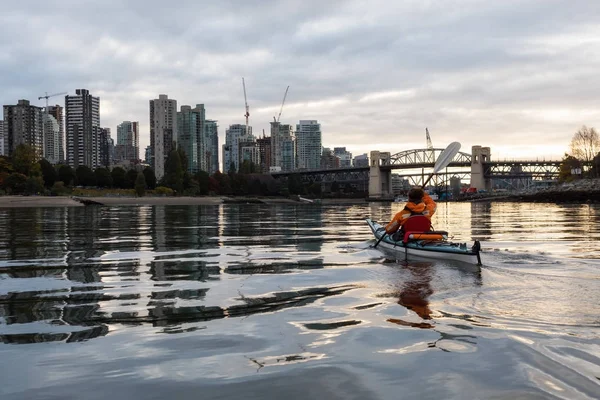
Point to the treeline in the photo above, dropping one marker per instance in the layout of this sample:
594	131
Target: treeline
26	173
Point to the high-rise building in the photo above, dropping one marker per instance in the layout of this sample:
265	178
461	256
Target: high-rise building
23	124
105	148
328	159
288	154
51	139
2	136
234	136
127	149
82	129
163	131
190	136
264	149
344	156
148	155
361	160
211	137
57	112
280	133
308	144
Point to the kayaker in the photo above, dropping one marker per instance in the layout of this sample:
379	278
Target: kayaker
419	203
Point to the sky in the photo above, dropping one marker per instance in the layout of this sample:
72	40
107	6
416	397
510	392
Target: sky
518	76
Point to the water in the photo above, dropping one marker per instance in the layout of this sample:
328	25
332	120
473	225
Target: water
267	302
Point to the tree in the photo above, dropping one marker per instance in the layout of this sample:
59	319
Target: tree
174	172
118	177
6	169
568	164
585	144
131	178
15	183
140	184
48	173
85	176
203	180
66	174
183	158
103	177
150	178
25	160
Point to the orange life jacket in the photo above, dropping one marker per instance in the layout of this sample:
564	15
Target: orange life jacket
426	207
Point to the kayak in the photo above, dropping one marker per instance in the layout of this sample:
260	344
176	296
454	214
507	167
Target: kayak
427	245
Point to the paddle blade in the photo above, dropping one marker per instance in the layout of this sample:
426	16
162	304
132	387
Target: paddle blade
446	157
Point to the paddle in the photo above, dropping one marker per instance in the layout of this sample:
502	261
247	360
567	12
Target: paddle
442	162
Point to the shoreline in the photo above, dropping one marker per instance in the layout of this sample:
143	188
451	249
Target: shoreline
123	201
582	191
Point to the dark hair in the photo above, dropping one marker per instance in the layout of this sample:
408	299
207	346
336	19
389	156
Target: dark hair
415	195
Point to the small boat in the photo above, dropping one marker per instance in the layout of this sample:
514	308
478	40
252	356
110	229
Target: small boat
426	245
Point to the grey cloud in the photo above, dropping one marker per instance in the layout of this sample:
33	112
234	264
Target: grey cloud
481	72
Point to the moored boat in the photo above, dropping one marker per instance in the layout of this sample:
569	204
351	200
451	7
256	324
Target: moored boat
420	246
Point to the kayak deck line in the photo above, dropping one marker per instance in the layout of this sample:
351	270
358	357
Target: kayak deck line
437	249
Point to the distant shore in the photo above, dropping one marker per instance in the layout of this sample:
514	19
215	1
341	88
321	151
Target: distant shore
581	191
75	201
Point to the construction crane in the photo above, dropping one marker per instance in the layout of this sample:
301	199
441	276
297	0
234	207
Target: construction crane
47	96
247	108
282	103
429	145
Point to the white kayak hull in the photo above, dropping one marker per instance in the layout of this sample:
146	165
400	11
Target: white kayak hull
440	250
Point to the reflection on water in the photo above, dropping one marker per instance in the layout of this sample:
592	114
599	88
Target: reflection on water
232	299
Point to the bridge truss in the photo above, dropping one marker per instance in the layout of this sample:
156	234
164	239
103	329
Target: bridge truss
415	165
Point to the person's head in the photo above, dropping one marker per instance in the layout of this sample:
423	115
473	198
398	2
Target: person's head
415	195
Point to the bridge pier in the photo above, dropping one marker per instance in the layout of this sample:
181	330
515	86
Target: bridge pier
380	182
480	156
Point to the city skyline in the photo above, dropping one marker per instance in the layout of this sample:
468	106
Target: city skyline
520	80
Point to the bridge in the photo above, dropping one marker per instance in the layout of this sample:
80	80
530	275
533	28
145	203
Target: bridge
415	165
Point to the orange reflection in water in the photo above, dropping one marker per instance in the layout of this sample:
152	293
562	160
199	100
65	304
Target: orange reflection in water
415	293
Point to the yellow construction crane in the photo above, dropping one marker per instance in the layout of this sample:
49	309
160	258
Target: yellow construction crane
47	96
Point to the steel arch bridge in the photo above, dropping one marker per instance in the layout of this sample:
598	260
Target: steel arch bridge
415	164
424	158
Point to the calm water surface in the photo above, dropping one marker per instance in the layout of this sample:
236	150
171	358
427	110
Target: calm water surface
267	302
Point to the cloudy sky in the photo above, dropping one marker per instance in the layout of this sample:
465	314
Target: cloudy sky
518	76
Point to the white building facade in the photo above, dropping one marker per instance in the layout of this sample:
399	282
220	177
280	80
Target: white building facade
234	136
308	144
51	139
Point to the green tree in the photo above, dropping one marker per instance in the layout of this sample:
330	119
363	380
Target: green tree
131	178
34	185
118	177
203	180
103	177
48	173
183	158
150	178
140	185
25	160
6	169
568	164
223	182
66	175
173	172
15	183
85	176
